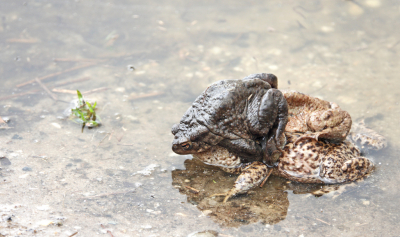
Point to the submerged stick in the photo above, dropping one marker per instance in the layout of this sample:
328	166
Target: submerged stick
46	89
193	190
95	90
109	232
54	90
265	180
56	74
65	91
18	95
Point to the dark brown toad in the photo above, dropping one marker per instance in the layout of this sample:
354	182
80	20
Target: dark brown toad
245	116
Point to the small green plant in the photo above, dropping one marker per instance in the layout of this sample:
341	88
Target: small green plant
85	112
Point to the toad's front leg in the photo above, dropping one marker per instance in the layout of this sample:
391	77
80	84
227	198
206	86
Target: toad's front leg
248	150
252	176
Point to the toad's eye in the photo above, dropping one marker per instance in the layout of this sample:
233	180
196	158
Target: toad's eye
186	146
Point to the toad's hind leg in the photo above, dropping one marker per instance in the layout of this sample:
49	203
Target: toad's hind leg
365	138
349	171
251	176
357	168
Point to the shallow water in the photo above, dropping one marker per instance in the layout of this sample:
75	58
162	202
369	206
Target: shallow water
155	59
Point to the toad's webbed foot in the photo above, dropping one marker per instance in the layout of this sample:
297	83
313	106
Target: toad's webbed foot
306	136
272	148
251	176
267	77
365	138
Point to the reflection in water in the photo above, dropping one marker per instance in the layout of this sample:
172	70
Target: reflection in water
268	204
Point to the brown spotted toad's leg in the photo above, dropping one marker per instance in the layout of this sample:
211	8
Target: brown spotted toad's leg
356	168
343	163
349	171
251	176
365	138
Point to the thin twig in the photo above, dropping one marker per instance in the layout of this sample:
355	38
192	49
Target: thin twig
65	91
57	73
193	190
95	90
265	180
109	138
54	90
74	234
18	95
322	221
110	233
46	89
103	139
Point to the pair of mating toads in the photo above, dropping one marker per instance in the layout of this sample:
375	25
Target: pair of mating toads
250	127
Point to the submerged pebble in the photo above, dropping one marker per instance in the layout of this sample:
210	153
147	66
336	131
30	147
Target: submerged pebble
56	125
45	222
16	136
26	168
4	161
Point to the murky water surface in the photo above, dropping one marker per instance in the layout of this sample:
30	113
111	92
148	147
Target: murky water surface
144	63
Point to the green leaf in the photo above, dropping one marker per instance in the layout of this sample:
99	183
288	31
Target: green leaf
80	98
91	109
85	112
81	115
